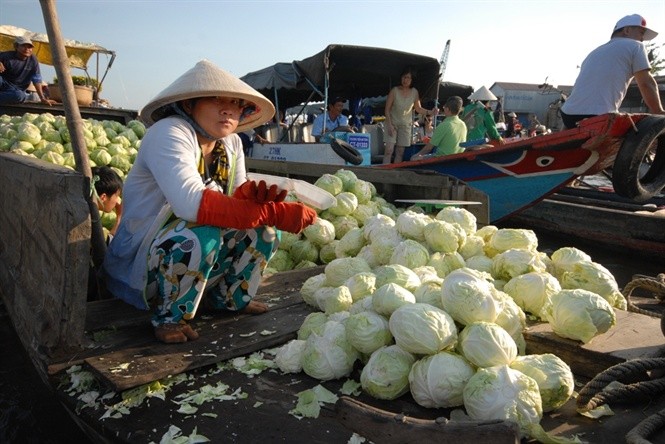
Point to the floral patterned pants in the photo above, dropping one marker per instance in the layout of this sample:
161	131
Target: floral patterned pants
189	262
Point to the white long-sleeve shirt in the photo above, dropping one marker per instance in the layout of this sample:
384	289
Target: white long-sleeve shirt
164	180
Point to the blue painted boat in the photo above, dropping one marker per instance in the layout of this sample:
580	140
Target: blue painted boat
522	172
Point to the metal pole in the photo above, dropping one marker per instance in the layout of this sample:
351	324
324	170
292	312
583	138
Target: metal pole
74	123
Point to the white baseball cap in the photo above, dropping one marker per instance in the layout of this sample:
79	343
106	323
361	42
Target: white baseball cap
636	20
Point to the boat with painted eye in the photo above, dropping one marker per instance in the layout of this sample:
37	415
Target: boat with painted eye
515	175
522	172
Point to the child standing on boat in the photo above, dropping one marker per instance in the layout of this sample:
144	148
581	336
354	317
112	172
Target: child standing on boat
194	228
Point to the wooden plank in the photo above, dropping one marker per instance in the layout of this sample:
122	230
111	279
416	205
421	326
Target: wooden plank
602	203
615	229
385	427
439	202
87	112
112	325
634	336
220	340
223	336
45	253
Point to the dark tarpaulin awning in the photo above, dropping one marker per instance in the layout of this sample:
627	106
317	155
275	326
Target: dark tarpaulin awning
279	83
354	72
360	71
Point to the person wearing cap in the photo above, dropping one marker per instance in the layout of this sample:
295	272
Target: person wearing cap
331	120
18	69
194	228
402	100
607	71
478	117
448	134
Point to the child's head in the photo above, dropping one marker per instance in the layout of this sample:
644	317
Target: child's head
454	105
108	186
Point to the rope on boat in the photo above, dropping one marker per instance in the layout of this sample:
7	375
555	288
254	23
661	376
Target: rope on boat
592	396
655	285
655	422
646	427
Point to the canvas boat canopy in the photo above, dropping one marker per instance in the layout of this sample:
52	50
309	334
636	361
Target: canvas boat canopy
78	53
361	72
353	72
279	83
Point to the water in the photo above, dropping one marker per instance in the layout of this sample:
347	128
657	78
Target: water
30	413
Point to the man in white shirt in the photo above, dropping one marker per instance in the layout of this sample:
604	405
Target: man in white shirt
608	70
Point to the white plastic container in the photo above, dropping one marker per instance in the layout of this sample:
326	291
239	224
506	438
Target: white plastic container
306	192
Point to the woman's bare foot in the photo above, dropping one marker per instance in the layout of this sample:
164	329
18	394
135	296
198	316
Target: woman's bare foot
175	333
255	307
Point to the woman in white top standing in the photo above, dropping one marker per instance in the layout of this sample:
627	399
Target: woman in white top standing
401	102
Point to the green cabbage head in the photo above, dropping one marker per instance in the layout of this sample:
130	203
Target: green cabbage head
386	374
422	329
437	381
554	378
579	314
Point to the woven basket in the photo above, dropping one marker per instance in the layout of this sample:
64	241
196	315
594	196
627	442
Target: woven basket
83	94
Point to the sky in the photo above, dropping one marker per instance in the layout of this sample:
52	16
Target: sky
491	41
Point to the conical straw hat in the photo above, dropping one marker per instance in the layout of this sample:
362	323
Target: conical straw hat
207	80
482	94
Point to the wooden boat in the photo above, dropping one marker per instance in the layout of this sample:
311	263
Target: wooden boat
522	172
589	216
43	284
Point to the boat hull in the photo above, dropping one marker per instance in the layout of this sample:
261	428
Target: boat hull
520	173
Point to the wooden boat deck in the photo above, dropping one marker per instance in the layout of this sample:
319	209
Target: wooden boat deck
121	335
44	290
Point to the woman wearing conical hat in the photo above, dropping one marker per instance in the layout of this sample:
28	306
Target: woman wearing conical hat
479	119
194	227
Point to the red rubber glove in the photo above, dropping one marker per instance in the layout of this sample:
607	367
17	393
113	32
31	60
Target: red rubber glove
220	210
293	216
229	212
260	193
246	191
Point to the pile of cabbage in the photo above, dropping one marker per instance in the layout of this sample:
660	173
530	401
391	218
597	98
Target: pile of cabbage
337	230
427	304
433	306
46	137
